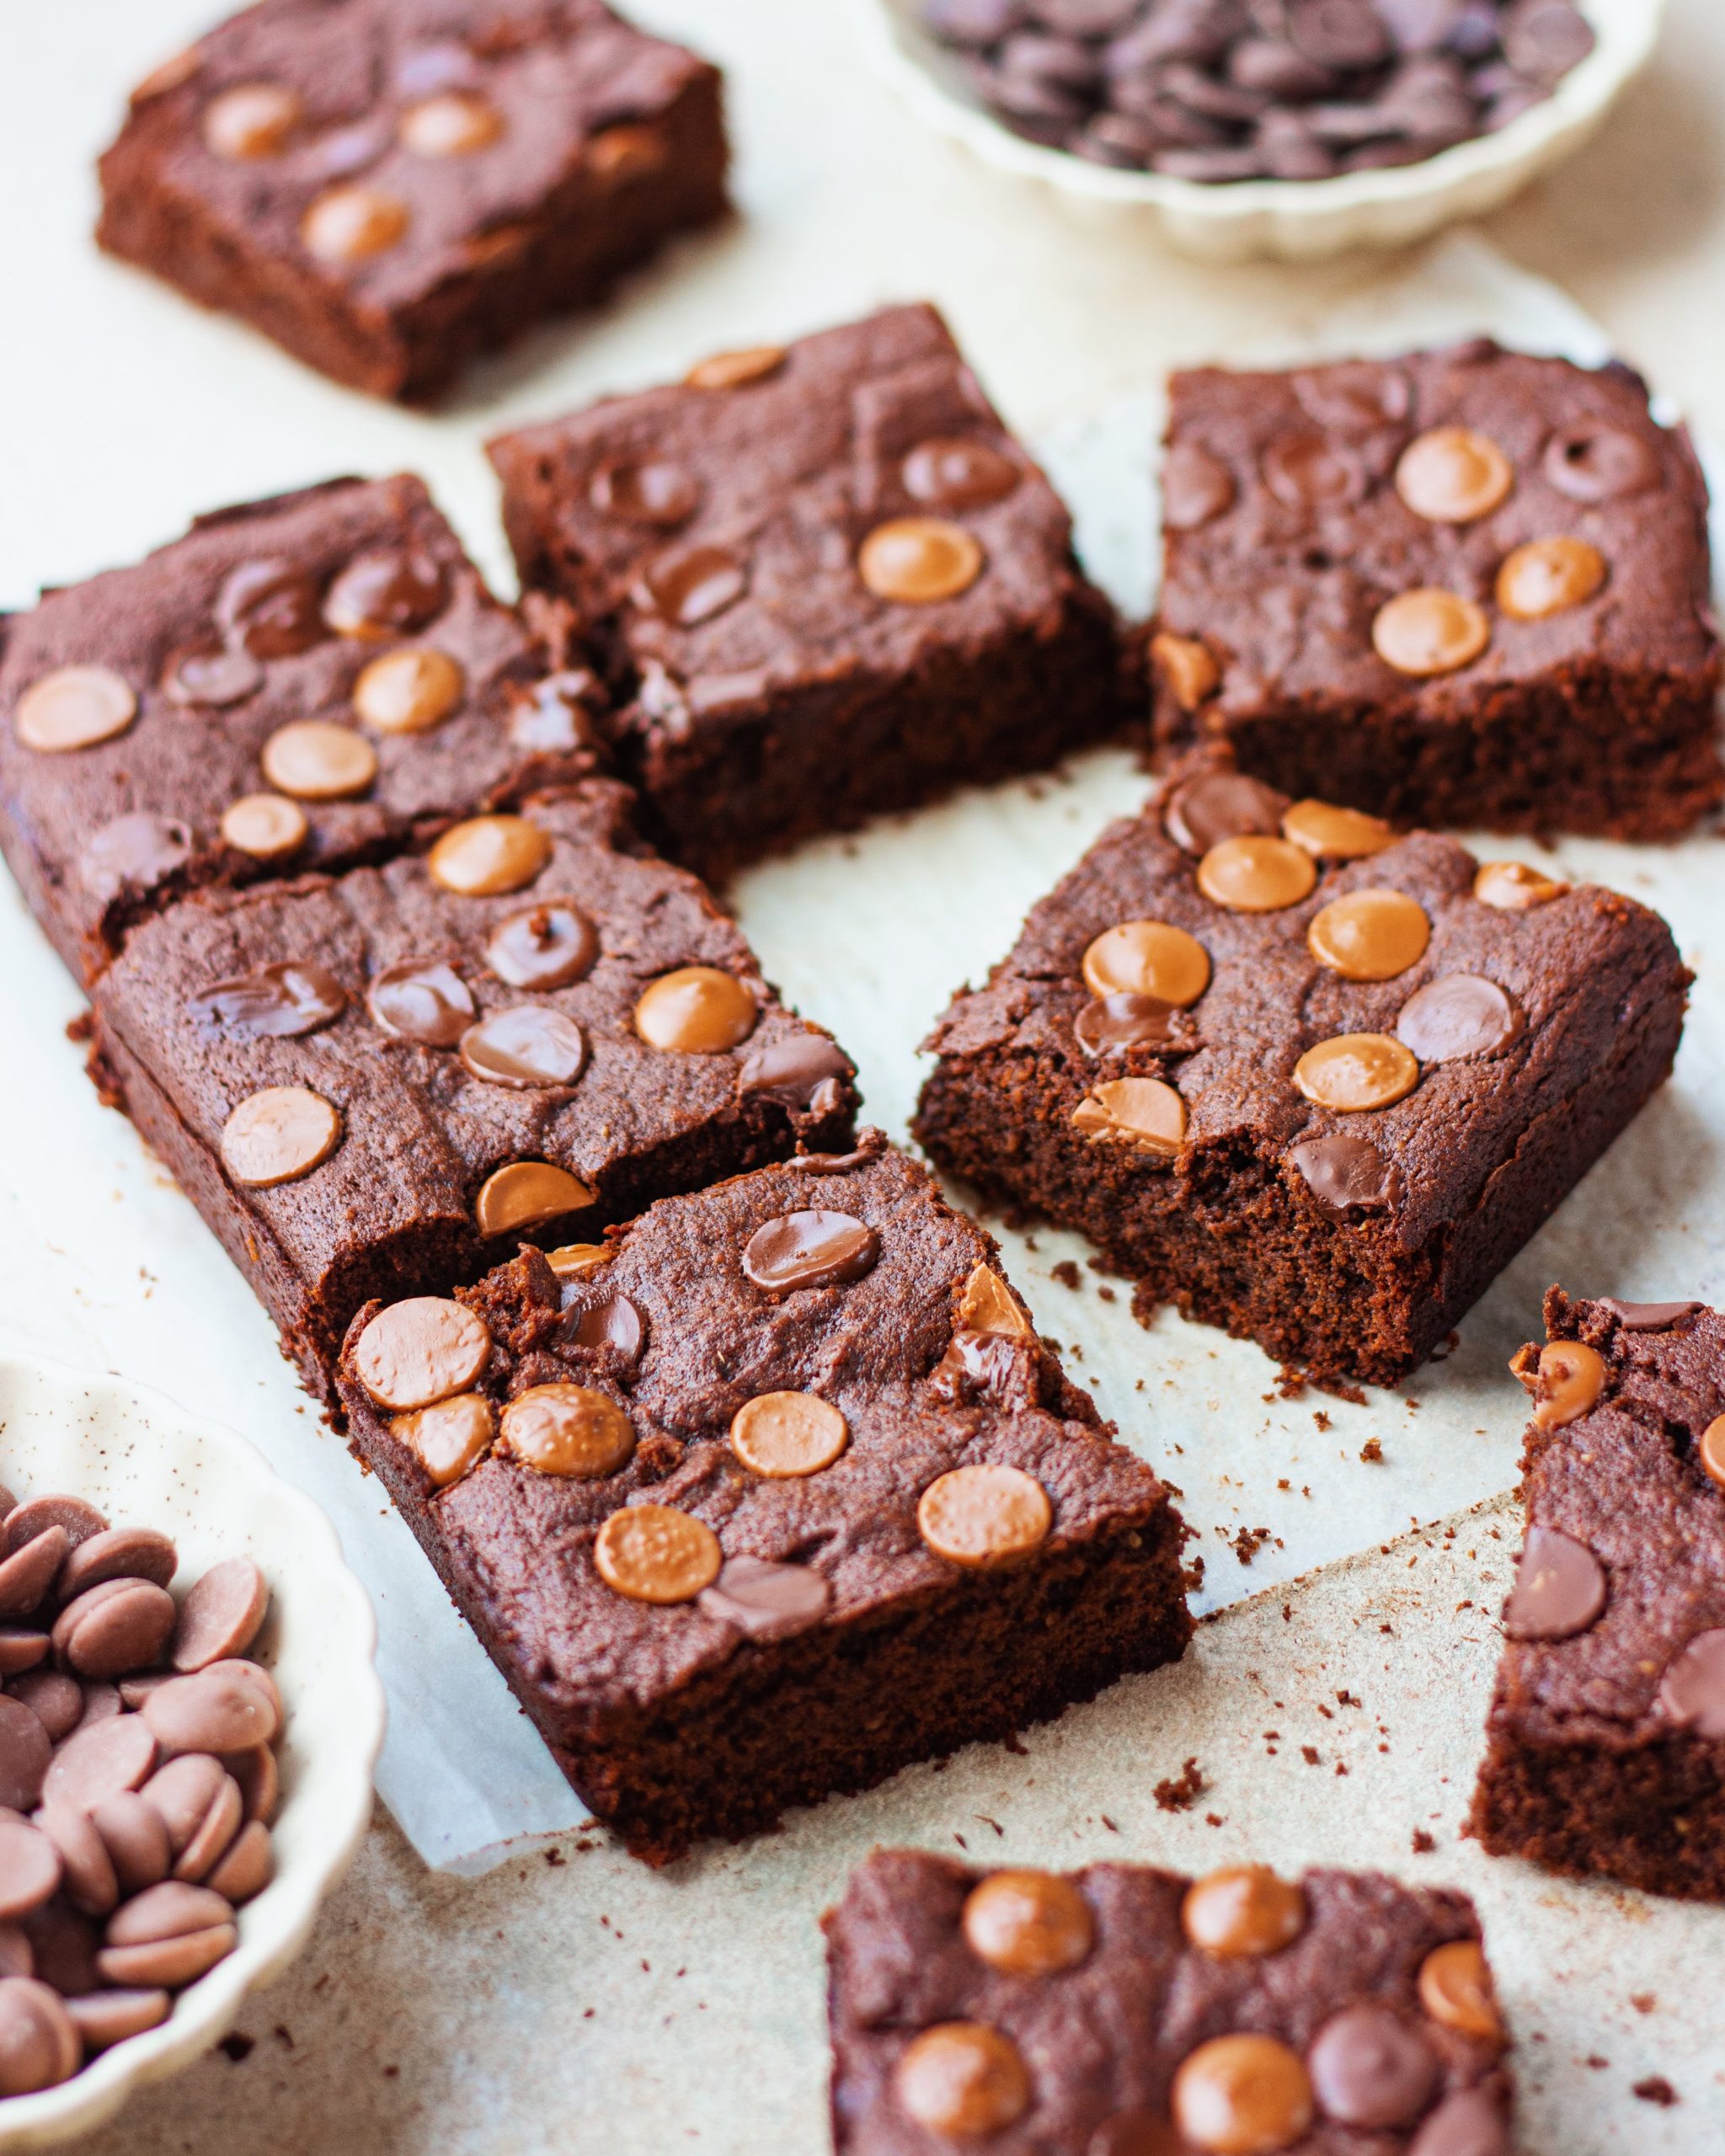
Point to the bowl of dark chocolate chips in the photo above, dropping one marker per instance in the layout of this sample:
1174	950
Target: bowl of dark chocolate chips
1291	128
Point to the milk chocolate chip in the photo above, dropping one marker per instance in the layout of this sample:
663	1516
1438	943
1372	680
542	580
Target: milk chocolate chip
692	586
695	1011
74	708
1457	1016
211	677
421	1351
958	472
766	1600
424	1000
1692	1692
654	1553
528	1046
804	1074
385	593
489	856
548	946
571	1430
1218	805
1560	1588
1110	1023
783	1434
917	561
645	490
961	2078
1344	1173
984	1515
527	1194
137	852
1196	487
1590	461
1371	2069
1028	1923
1243	1910
278	1135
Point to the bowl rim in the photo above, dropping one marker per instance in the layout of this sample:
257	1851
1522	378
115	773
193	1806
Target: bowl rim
203	2013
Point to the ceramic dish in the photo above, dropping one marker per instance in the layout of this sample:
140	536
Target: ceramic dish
1293	219
145	1461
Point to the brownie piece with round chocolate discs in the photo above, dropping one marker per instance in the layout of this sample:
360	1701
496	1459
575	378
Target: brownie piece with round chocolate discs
1606	1737
771	1492
296	684
389	188
384	1081
827	580
1240	2011
1462	587
1299	1077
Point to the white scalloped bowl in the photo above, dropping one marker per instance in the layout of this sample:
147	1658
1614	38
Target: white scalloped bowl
1292	219
143	1460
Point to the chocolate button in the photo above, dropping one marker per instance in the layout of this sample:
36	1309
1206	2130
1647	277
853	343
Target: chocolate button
1428	631
421	1351
1560	1588
1242	2096
1305	472
489	856
1452	476
1549	576
798	1073
424	1000
1346	1172
316	760
1146	1113
101	1759
453	125
1196	487
958	472
1354	1072
1111	1023
1649	1317
526	1046
30	1868
222	1614
74	708
570	1430
1028	1923
962	2078
208	677
1370	2068
654	1553
278	1135
611	1325
1710	1452
1572	1376
983	1516
134	853
1218	805
733	370
1590	463
1242	1910
986	1306
386	593
270	608
695	1011
39	2045
691	587
766	1601
1455	1989
1512	887
77	1521
1256	874
917	561
253	120
647	490
119	1553
781	1434
1328	833
1458	1015
527	1194
24	1754
104	2018
1692	1691
1147	957
352	224
810	1249
407	691
1369	935
449	1438
277	1002
1187	666
267	826
547	948
1469	2123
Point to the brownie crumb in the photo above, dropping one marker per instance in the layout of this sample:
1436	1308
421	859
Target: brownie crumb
1180	1792
1657	2089
237	2045
1016	1745
1309	1753
1246	1544
553	1857
1066	1272
1644	2002
1423	1843
1372	1451
1595	2061
1193	1574
1320	1419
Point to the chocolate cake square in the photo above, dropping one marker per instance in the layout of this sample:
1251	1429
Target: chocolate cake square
769	1494
296	684
388	188
1123	2010
380	1082
1301	1078
1607	1738
826	582
1467	587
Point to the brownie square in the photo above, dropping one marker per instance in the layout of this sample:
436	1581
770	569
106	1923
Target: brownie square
771	1494
1317	1089
388	188
1606	1737
1123	2010
296	684
381	1082
826	580
1464	587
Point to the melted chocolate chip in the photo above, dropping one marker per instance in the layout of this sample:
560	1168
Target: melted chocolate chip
525	1047
1590	461
269	608
134	853
1371	2069
1355	397
691	587
1108	1024
990	1366
209	675
1649	1317
1307	472
1559	1591
647	490
957	473
810	1249
277	1002
1218	805
1461	1015
613	1324
1693	1689
794	1072
424	1000
547	946
1196	487
767	1601
385	593
1347	1173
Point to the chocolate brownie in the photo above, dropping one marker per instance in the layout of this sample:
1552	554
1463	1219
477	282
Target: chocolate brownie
1463	587
771	1493
1305	1080
301	683
1127	2011
1606	1737
380	1082
826	580
389	187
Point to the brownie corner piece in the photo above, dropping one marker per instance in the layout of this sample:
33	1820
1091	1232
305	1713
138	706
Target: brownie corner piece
829	582
1605	1739
771	1493
1460	587
389	190
1238	2011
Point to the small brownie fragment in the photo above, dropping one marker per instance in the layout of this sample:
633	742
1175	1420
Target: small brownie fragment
1463	587
296	684
1606	1737
1303	1079
827	580
1126	2011
771	1494
383	1082
388	188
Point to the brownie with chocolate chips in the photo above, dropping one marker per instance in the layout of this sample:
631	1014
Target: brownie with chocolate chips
1606	1737
383	1082
388	188
826	581
1299	1077
297	684
1468	586
1124	2010
769	1493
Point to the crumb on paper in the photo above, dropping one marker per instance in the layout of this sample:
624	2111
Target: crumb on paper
1644	2002
1321	1419
1066	1272
1309	1753
1248	1542
1657	2089
1371	1451
1423	1843
1180	1792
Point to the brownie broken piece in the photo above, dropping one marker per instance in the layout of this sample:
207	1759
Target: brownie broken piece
827	582
381	1082
296	684
1300	1078
1464	587
771	1493
388	188
1127	2011
1606	1737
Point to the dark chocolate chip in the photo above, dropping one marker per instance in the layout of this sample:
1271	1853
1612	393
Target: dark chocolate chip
1063	62
211	675
810	1249
1346	1173
1110	1023
792	1071
1196	487
1692	1692
1307	472
693	586
957	473
133	854
424	1000
990	1366
1370	2068
277	1002
767	1601
547	946
1338	33
270	608
1355	397
1590	461
1545	39
385	593
645	490
1559	1591
527	1046
613	1323
1267	64
1649	1317
1458	1016
1218	805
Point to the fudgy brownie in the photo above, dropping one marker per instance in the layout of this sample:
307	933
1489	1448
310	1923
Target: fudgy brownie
1125	2011
380	1082
389	187
1301	1078
827	580
1464	587
772	1492
301	683
1606	1737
